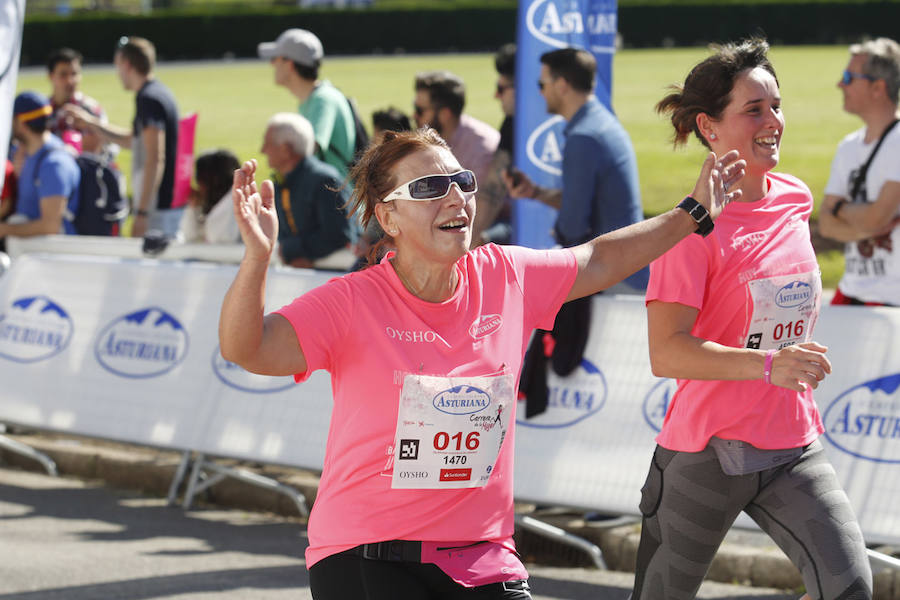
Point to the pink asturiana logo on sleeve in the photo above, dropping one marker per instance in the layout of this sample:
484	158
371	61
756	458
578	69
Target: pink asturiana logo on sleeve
485	325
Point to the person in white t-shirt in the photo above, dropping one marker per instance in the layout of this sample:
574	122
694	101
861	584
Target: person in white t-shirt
864	211
210	215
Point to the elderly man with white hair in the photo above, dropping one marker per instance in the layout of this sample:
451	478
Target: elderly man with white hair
314	230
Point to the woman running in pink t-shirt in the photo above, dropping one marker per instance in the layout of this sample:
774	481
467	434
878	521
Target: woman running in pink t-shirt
424	350
731	315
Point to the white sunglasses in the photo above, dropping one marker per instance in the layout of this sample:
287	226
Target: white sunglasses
434	187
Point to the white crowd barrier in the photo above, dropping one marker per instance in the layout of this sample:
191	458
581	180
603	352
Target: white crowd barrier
127	349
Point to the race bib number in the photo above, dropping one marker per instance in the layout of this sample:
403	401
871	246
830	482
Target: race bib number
785	309
450	430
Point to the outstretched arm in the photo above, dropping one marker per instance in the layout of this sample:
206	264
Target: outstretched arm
264	344
610	258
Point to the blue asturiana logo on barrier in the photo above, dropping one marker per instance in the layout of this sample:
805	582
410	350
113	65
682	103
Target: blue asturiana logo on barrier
145	343
864	421
570	399
238	378
557	22
793	294
461	400
656	403
33	329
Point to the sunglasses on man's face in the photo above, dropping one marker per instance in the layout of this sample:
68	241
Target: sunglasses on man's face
434	187
848	76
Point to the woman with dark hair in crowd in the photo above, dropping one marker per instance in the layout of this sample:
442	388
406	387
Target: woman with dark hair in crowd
731	315
424	349
210	215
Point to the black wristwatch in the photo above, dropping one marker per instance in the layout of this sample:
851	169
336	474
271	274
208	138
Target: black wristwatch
699	214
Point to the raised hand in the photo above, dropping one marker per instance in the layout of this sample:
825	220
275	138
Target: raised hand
800	366
254	209
717	177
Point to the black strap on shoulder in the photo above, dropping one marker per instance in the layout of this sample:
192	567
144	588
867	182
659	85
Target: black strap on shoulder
861	174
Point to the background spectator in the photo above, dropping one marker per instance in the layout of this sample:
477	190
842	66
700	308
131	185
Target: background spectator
210	215
439	103
64	73
48	185
296	56
313	228
389	119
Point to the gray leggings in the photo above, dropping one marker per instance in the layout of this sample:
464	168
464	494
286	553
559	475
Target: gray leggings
689	504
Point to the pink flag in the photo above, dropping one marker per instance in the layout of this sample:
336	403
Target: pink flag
184	160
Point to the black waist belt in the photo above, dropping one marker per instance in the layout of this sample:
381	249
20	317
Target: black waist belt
405	550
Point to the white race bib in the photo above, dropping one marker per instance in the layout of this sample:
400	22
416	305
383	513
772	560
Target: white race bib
785	309
449	430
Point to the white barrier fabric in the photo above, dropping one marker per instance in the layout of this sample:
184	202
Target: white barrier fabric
127	350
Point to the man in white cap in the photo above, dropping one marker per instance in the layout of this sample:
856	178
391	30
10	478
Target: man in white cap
296	56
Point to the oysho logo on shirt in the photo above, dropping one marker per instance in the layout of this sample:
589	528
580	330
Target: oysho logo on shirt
485	325
34	328
414	336
793	294
145	343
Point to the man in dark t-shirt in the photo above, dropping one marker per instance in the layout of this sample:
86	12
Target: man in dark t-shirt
153	138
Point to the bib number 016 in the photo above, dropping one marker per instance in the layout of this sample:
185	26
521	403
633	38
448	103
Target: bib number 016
791	329
442	441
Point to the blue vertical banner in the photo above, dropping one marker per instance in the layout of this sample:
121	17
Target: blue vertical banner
12	19
545	25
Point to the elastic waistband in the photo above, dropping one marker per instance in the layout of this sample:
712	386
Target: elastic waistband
400	550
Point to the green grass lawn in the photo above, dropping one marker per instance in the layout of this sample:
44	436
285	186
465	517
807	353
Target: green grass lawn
234	100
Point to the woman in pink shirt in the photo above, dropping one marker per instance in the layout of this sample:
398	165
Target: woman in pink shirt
730	315
424	351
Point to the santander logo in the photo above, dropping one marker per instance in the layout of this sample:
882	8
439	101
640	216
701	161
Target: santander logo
485	325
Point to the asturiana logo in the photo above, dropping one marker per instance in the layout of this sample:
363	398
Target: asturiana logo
34	328
238	378
461	400
793	294
864	421
555	22
544	146
570	399
656	403
485	325
144	343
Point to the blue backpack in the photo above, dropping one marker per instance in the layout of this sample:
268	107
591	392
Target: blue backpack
102	206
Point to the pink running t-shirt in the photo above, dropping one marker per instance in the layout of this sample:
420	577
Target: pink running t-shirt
367	330
752	243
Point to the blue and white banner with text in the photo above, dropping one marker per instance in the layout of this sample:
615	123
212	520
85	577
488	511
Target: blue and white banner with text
546	25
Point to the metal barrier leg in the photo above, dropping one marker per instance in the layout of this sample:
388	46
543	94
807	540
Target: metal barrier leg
20	448
178	478
563	536
882	562
199	482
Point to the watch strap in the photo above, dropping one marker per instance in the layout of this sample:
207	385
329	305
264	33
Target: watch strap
699	214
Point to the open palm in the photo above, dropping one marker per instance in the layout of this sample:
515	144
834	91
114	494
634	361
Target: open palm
254	209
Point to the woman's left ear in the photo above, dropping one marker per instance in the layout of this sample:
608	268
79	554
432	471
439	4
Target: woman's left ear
383	212
704	124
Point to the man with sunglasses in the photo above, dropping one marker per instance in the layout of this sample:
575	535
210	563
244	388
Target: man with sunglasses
440	99
600	191
862	197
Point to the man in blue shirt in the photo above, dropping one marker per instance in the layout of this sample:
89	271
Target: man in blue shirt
48	183
600	190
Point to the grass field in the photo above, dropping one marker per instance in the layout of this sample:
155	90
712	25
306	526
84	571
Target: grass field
234	100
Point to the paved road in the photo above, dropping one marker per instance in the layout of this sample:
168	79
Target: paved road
66	539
